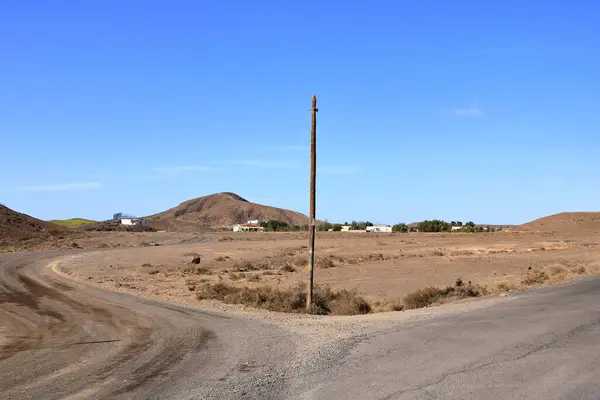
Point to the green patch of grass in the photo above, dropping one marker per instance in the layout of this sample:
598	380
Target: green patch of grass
73	222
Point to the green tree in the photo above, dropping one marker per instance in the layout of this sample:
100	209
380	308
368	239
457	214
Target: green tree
400	228
337	227
435	225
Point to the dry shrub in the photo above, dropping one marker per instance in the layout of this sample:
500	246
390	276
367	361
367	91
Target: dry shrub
245	266
394	304
226	239
146	265
287	268
505	287
195	270
153	272
235	277
254	278
346	302
433	295
325	262
222	259
535	277
325	300
437	253
456	253
579	270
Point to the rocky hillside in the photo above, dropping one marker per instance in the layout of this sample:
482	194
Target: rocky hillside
16	227
220	210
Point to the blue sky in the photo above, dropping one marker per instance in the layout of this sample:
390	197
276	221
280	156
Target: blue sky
468	110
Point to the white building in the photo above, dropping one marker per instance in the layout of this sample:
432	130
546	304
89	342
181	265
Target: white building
456	228
346	228
134	222
248	228
380	228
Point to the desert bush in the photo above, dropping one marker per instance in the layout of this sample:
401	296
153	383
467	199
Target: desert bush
195	270
347	302
226	239
505	287
222	259
153	272
245	266
287	268
437	253
325	262
254	278
579	270
432	295
293	299
235	277
535	277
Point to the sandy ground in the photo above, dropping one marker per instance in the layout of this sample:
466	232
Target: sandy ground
378	266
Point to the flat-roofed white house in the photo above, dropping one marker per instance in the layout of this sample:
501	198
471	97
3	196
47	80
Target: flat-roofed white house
134	222
380	228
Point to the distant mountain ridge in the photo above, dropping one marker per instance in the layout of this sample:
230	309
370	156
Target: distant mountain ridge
221	210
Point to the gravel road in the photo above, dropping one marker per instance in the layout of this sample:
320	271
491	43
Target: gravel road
64	339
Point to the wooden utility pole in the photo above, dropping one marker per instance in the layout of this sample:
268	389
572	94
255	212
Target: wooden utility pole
311	222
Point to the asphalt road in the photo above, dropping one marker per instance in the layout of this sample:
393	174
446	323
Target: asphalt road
62	339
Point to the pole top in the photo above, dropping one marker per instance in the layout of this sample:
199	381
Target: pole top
314	103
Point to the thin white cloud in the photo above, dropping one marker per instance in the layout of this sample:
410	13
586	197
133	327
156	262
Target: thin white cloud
187	168
468	112
338	170
259	163
60	187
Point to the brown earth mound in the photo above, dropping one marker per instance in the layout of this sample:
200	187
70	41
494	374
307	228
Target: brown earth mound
16	227
563	222
220	210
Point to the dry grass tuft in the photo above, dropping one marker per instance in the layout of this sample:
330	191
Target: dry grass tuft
222	259
326	301
195	270
580	269
535	277
287	268
325	262
505	287
433	295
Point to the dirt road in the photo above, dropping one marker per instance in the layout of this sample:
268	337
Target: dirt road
61	339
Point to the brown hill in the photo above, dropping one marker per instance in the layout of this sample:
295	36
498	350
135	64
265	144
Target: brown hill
220	210
16	227
564	222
